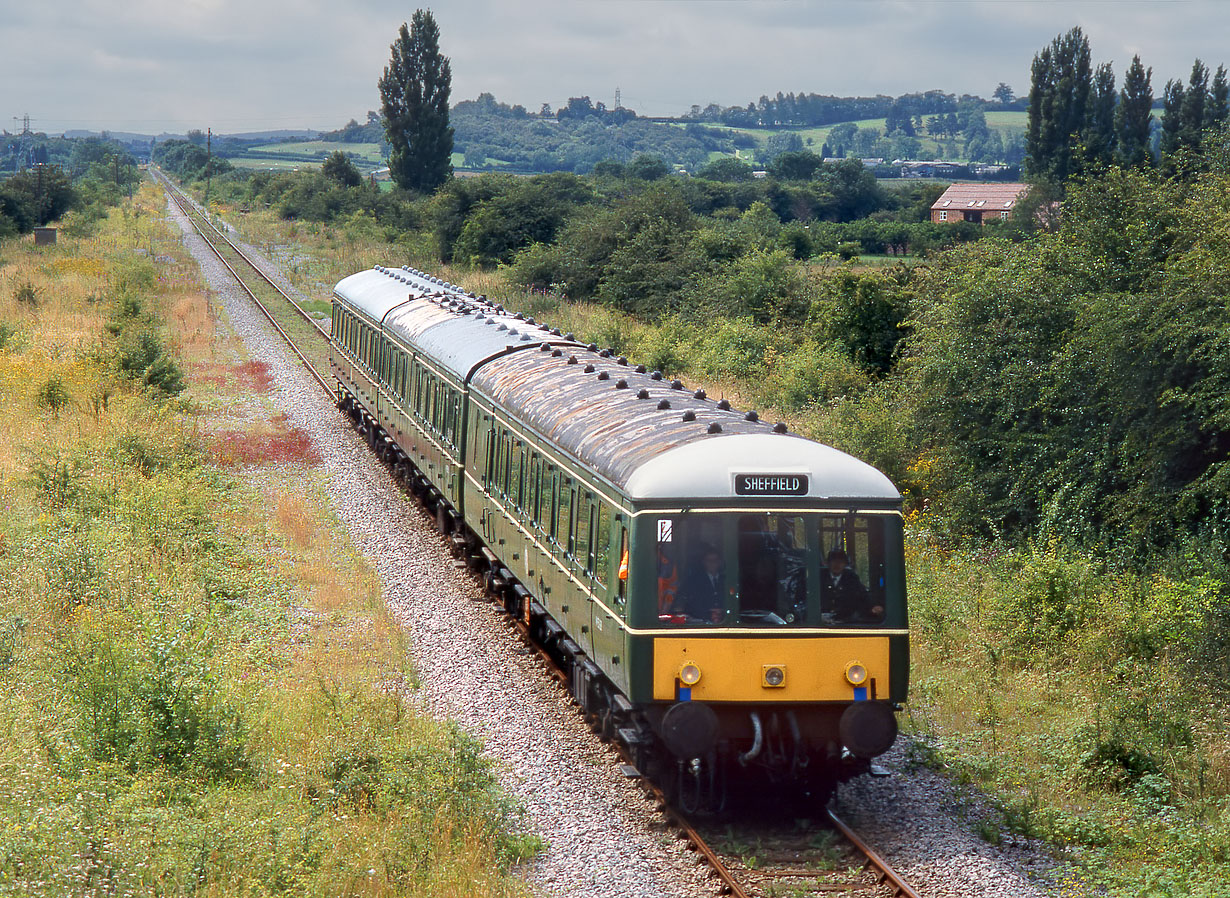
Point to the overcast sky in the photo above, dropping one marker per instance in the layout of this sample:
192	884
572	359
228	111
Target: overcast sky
240	65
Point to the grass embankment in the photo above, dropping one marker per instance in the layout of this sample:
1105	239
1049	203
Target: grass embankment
1069	690
200	688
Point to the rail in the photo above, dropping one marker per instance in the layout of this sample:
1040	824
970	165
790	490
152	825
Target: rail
730	882
202	225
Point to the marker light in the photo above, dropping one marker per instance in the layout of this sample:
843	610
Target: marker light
856	674
774	675
689	674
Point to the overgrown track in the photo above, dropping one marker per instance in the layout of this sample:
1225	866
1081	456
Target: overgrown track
795	863
306	338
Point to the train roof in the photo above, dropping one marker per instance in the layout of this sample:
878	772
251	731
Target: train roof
656	440
457	330
646	435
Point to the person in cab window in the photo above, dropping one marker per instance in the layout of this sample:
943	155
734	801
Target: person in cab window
703	595
668	583
844	595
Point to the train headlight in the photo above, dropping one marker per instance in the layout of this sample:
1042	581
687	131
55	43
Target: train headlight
689	674
856	674
774	676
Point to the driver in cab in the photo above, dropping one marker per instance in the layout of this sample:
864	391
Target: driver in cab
703	593
843	595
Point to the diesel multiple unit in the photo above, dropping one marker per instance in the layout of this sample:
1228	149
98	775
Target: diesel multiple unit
724	595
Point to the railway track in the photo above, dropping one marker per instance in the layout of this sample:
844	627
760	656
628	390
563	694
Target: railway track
302	333
761	862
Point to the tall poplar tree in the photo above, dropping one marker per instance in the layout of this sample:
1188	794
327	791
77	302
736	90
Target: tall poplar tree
1219	98
1195	99
1172	118
1099	137
1062	80
414	92
1134	116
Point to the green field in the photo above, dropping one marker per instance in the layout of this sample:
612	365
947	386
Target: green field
1008	124
308	153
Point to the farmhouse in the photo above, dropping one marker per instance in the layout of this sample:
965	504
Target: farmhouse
979	202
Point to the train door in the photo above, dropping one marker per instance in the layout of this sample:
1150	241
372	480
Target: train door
612	570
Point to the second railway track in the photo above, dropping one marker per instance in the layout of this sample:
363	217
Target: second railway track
747	863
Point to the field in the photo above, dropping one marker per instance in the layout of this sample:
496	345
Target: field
1006	123
201	690
307	154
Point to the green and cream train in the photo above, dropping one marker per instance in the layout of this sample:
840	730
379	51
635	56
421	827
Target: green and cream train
726	597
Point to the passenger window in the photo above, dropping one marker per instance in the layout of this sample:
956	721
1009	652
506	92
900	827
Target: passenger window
518	460
583	535
563	512
602	543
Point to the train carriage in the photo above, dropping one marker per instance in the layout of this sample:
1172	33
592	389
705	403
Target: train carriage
685	562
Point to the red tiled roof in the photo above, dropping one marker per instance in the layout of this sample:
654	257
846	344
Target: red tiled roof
994	197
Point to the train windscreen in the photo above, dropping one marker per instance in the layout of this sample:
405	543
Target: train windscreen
772	569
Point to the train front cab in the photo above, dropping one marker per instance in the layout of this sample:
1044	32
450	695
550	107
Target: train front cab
783	671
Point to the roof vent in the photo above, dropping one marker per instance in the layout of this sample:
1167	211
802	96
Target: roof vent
663	404
545	328
570	336
502	327
699	394
555	331
715	427
592	347
676	385
499	308
606	353
525	338
622	360
544	347
642	394
520	317
604	375
530	321
556	353
572	360
689	415
589	369
640	369
751	416
724	404
780	427
621	384
657	375
480	317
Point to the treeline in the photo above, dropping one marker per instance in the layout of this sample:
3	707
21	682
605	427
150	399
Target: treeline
189	159
493	134
84	176
1079	119
813	110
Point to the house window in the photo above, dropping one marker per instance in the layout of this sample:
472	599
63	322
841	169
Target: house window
1005	215
943	215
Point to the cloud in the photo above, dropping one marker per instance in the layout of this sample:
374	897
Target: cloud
246	64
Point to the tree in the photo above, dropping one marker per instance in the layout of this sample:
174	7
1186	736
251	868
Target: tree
340	169
1134	116
1193	106
1099	135
797	166
1003	93
414	93
1172	118
1060	86
726	168
1219	95
648	168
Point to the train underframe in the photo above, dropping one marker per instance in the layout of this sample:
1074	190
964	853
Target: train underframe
705	756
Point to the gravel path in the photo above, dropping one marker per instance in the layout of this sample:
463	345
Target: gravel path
604	838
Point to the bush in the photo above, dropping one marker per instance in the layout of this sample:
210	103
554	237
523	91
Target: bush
52	396
27	294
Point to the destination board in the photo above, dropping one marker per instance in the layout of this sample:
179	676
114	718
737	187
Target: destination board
771	484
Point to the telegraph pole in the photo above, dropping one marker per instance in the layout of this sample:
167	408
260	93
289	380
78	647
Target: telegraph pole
209	165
